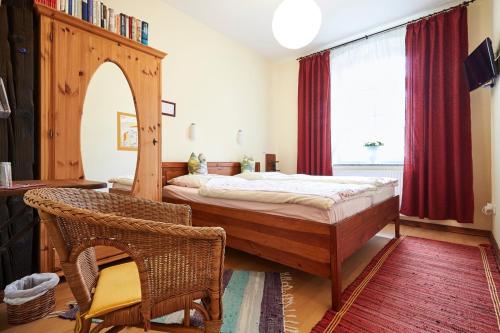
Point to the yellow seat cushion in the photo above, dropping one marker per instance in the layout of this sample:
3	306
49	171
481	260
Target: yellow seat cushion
117	287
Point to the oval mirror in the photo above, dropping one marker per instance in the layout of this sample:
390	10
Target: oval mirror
109	136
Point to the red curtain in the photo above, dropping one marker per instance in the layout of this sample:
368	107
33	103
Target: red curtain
314	156
437	181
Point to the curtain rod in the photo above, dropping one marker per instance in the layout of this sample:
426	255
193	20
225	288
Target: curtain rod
465	3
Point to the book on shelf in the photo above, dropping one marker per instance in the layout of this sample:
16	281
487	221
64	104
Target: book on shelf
94	12
49	3
85	10
130	26
123	19
98	13
97	9
111	20
45	2
101	14
117	24
62	5
90	11
138	31
127	27
104	20
145	33
77	8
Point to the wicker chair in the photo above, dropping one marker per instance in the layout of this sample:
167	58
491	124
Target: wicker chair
177	263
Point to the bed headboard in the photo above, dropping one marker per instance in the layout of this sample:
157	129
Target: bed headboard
171	170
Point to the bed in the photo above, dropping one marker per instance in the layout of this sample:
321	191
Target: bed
121	185
302	238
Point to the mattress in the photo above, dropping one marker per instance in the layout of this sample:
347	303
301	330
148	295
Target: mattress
336	213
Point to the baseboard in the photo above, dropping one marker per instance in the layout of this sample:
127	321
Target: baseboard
496	250
464	231
447	228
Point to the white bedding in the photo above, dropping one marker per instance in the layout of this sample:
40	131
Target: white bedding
318	194
278	176
118	186
122	180
336	213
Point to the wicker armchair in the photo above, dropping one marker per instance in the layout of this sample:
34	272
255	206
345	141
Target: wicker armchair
177	263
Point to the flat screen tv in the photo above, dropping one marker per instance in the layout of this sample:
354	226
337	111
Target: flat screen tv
481	66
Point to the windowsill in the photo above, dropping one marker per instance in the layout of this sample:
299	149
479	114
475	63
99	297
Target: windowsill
367	165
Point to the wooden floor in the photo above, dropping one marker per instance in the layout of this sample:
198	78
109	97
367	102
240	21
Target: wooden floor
312	294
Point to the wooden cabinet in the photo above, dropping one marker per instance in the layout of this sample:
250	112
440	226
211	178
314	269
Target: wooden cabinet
71	50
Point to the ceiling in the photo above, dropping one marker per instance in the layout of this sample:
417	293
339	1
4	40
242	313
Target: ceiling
249	21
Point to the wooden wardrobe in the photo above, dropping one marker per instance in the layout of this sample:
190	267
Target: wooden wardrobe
71	50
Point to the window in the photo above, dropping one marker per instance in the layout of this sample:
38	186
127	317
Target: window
368	100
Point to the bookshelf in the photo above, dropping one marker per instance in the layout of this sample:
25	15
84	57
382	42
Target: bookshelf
98	13
71	50
94	29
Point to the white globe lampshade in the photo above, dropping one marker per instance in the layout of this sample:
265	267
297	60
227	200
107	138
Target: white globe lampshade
296	23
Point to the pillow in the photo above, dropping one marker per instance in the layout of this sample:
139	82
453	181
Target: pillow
193	181
247	164
123	180
260	175
197	165
118	287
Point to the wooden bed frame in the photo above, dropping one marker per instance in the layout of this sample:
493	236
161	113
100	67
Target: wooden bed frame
310	246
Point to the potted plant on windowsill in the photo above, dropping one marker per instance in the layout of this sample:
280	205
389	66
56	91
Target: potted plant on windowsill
372	148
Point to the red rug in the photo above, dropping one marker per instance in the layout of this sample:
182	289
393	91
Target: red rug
420	285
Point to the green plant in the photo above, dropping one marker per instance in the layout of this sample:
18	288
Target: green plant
374	144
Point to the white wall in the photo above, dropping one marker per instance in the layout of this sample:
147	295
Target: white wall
217	84
101	158
480	27
223	87
495	124
284	117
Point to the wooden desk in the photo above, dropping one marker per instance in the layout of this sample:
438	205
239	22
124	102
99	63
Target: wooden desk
71	183
17	191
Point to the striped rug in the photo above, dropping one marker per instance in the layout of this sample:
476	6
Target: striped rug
419	285
253	302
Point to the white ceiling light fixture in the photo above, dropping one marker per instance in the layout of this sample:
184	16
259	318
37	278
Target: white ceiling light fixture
296	23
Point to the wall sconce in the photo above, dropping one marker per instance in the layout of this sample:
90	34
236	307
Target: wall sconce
239	137
192	132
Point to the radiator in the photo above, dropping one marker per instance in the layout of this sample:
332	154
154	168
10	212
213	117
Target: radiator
392	171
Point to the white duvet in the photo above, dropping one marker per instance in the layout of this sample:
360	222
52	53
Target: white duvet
278	176
122	180
322	195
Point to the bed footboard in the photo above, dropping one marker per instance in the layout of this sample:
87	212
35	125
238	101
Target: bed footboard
309	246
349	235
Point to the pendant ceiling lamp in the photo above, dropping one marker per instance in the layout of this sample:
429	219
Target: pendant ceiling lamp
296	23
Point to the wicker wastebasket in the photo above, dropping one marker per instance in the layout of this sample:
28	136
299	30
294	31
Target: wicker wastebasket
31	298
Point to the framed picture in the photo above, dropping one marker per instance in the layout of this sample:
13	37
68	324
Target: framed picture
127	134
168	108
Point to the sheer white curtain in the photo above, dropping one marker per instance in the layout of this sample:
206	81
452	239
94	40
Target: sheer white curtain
368	99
